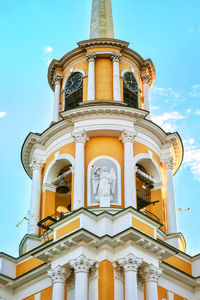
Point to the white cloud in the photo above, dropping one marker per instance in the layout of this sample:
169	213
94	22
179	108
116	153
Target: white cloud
163	120
165	92
192	157
47	51
197	112
188	111
195	90
2	114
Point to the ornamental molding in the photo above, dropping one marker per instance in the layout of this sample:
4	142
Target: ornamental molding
118	270
103	42
92	110
128	136
37	163
59	274
130	263
151	273
91	56
146	78
168	163
115	57
80	137
81	264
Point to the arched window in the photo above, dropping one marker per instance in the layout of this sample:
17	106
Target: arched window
130	90
74	91
143	187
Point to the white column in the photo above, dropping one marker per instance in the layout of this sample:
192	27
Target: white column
34	213
80	139
151	275
118	282
81	266
170	295
146	79
56	99
170	197
127	138
91	76
116	79
58	277
130	265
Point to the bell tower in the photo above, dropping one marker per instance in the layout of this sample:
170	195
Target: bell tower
102	220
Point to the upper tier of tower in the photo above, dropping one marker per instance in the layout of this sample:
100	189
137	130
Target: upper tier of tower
101	69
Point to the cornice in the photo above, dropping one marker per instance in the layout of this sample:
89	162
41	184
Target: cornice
103	42
101	109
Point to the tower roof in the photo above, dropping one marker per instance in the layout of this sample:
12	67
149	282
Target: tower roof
101	19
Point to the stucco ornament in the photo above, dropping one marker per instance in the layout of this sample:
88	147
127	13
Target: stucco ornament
103	183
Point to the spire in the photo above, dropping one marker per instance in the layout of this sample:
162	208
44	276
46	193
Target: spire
101	25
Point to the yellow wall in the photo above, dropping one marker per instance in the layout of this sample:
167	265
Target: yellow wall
106	281
48	204
68	228
162	294
109	146
28	265
142	227
179	264
141	148
46	294
103	79
157	208
98	49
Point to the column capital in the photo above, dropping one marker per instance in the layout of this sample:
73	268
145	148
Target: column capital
127	136
130	263
115	57
58	78
81	264
168	163
80	137
151	273
59	274
91	56
37	163
117	270
146	78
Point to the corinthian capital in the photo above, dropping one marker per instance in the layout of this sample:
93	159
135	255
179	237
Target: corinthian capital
91	56
127	136
57	78
81	264
168	163
151	273
130	263
116	57
80	137
37	163
59	274
146	78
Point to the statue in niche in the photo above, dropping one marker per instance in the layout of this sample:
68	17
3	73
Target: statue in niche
103	184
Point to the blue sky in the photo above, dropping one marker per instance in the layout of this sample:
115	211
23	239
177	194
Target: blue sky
33	32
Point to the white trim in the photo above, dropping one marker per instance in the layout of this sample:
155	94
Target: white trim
89	179
132	70
70	158
149	156
72	70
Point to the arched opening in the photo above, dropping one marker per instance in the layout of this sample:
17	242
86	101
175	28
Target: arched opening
73	90
148	187
130	90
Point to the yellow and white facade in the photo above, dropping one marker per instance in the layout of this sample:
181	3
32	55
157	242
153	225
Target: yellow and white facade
113	235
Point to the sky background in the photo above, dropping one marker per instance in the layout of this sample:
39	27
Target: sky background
33	32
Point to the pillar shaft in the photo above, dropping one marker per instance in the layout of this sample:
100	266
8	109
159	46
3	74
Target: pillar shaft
151	274
129	175
81	266
80	139
58	276
130	264
170	295
170	198
146	79
56	100
91	76
34	213
116	78
58	291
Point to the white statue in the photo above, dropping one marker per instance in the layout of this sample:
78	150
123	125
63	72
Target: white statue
103	183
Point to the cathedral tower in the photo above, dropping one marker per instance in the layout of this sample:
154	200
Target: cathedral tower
102	220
